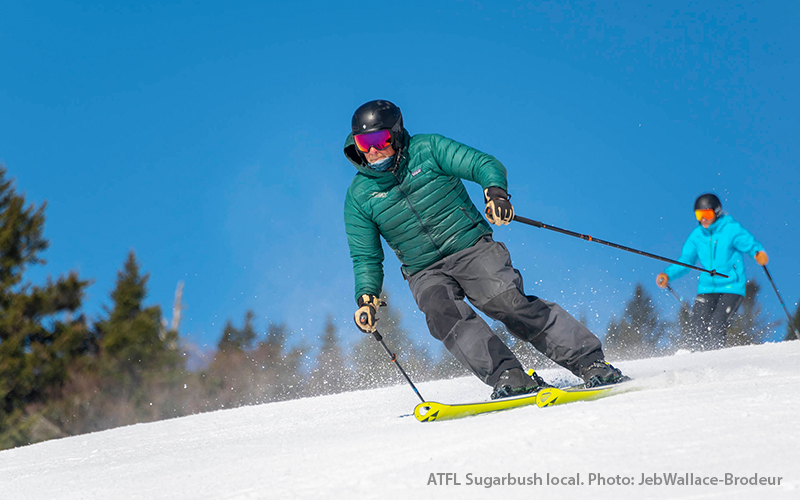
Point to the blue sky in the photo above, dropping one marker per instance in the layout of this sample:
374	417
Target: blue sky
207	136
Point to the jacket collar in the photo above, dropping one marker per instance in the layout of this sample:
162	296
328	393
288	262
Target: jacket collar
718	224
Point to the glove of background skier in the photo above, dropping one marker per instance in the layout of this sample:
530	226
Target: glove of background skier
498	209
661	280
365	315
762	258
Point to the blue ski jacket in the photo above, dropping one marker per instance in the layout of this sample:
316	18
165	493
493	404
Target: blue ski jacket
721	247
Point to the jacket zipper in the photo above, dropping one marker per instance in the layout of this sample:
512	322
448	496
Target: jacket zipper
713	249
416	214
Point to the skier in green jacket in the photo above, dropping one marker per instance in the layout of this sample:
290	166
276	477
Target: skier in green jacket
409	191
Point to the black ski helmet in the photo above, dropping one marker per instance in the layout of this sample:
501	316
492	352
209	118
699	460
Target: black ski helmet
709	201
379	115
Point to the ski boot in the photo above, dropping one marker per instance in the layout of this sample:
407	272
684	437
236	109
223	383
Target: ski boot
514	382
602	373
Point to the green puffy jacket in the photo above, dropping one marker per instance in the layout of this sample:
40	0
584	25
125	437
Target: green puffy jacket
421	208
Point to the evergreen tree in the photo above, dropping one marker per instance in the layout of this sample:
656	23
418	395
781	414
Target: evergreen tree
267	372
372	363
226	341
280	377
137	360
231	373
39	339
638	333
446	366
584	318
330	375
684	338
238	340
794	326
749	326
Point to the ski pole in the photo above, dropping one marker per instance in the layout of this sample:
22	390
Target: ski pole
393	359
586	237
683	304
769	276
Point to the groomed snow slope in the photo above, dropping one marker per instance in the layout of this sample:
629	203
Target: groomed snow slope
730	414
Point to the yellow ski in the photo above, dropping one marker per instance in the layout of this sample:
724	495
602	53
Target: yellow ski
552	396
430	411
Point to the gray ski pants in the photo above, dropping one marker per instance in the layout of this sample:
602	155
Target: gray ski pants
483	274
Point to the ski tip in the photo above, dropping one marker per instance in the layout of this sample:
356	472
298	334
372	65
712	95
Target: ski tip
426	412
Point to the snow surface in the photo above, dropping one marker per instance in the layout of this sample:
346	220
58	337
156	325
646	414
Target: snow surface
708	414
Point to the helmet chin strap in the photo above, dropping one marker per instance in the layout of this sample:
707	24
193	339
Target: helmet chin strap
398	157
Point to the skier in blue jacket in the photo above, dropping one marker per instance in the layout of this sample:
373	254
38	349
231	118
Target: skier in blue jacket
719	242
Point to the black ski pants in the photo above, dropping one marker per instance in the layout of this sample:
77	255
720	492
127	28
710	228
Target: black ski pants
711	315
483	274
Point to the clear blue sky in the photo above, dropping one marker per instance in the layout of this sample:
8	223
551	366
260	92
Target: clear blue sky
206	136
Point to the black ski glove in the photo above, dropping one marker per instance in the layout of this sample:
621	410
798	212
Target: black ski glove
498	209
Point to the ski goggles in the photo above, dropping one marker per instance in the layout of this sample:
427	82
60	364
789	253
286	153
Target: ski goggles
707	214
380	139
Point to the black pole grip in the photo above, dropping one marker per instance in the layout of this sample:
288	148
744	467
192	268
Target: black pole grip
364	319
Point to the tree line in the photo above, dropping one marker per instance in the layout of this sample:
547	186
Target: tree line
62	374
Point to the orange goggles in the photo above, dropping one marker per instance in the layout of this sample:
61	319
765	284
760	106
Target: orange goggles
707	214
